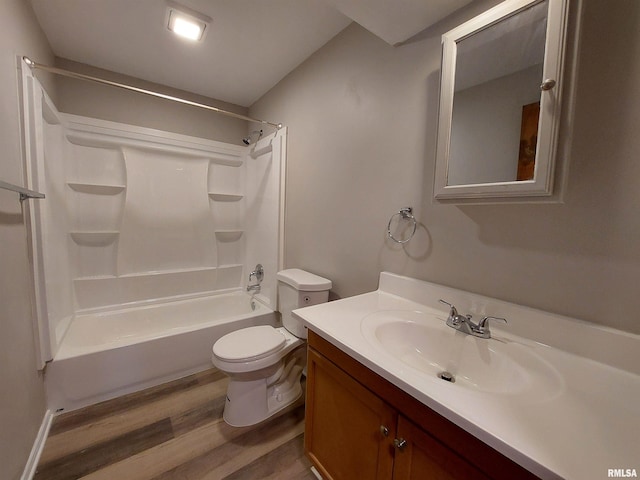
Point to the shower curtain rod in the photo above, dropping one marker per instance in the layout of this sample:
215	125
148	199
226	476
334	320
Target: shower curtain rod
67	73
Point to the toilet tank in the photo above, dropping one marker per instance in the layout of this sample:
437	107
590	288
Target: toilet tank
297	289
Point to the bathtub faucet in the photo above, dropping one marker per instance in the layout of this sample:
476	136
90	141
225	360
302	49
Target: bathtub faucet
258	273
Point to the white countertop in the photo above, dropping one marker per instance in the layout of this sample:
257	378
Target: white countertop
587	424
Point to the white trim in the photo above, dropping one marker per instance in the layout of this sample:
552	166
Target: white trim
283	191
33	99
93	132
38	447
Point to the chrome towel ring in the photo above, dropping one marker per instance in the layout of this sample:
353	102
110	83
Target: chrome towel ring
405	213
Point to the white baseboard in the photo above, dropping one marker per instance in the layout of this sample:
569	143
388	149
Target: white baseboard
38	446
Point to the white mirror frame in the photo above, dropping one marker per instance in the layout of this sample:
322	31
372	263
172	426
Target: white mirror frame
550	102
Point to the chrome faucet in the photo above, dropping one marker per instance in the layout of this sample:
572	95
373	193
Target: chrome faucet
258	273
464	324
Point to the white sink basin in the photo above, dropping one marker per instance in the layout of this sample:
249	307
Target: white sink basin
423	342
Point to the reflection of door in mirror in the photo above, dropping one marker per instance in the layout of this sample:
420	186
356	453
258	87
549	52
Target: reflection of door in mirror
498	70
528	141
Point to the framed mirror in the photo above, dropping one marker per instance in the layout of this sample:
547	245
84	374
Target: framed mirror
500	97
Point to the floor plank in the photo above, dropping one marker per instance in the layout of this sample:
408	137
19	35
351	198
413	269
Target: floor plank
198	416
142	412
242	450
88	415
286	462
174	431
88	460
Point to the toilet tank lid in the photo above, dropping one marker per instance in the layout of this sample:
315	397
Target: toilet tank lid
305	281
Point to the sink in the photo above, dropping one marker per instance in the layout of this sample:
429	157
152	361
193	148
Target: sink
423	342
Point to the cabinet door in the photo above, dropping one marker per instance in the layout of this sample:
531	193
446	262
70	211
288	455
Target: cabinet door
343	434
423	457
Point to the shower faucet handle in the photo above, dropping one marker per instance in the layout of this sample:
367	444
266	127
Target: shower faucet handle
258	273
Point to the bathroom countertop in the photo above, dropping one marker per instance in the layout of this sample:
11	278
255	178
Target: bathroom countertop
587	424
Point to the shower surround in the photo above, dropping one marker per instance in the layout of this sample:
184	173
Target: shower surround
136	223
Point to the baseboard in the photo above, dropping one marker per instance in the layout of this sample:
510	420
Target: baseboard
38	446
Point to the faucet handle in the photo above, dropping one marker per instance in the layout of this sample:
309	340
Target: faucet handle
258	273
454	319
485	320
453	312
483	325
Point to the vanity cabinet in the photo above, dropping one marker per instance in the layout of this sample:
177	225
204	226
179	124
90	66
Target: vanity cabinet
424	457
359	425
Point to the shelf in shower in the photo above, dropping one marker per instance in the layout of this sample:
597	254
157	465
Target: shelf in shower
96	189
228	235
225	197
95	238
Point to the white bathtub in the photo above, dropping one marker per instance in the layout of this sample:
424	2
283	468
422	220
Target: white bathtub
107	354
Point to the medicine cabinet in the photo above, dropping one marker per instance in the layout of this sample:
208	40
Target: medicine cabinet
500	98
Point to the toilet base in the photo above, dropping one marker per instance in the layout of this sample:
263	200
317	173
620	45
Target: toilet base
250	401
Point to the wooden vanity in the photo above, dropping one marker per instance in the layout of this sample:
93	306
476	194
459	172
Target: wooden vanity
532	401
361	426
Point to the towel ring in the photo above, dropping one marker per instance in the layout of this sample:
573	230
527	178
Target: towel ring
407	214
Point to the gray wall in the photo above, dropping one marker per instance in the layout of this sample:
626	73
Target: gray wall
108	103
362	128
22	404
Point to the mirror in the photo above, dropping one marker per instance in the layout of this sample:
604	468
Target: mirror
500	102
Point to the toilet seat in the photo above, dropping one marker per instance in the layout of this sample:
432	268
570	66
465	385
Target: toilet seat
270	345
249	344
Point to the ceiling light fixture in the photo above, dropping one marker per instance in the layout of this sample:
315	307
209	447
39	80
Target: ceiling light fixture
187	23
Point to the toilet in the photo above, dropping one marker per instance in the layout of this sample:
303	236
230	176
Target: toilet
265	363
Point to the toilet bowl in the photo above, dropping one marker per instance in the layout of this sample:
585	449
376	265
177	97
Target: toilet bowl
264	363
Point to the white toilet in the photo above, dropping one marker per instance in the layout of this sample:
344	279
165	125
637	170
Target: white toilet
265	363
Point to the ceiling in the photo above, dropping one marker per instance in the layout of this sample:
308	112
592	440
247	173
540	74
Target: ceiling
250	46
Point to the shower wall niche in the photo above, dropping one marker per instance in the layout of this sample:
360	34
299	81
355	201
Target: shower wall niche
135	215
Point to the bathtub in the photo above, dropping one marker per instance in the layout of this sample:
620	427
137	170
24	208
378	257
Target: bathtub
111	353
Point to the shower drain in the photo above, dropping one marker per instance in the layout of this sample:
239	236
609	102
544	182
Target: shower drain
447	376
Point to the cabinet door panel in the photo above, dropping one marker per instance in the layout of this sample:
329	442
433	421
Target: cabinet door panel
343	419
424	458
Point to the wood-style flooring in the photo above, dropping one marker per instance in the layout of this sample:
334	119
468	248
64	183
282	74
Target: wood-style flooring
173	431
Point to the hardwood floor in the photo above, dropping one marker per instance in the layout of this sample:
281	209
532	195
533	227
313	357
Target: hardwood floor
173	431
